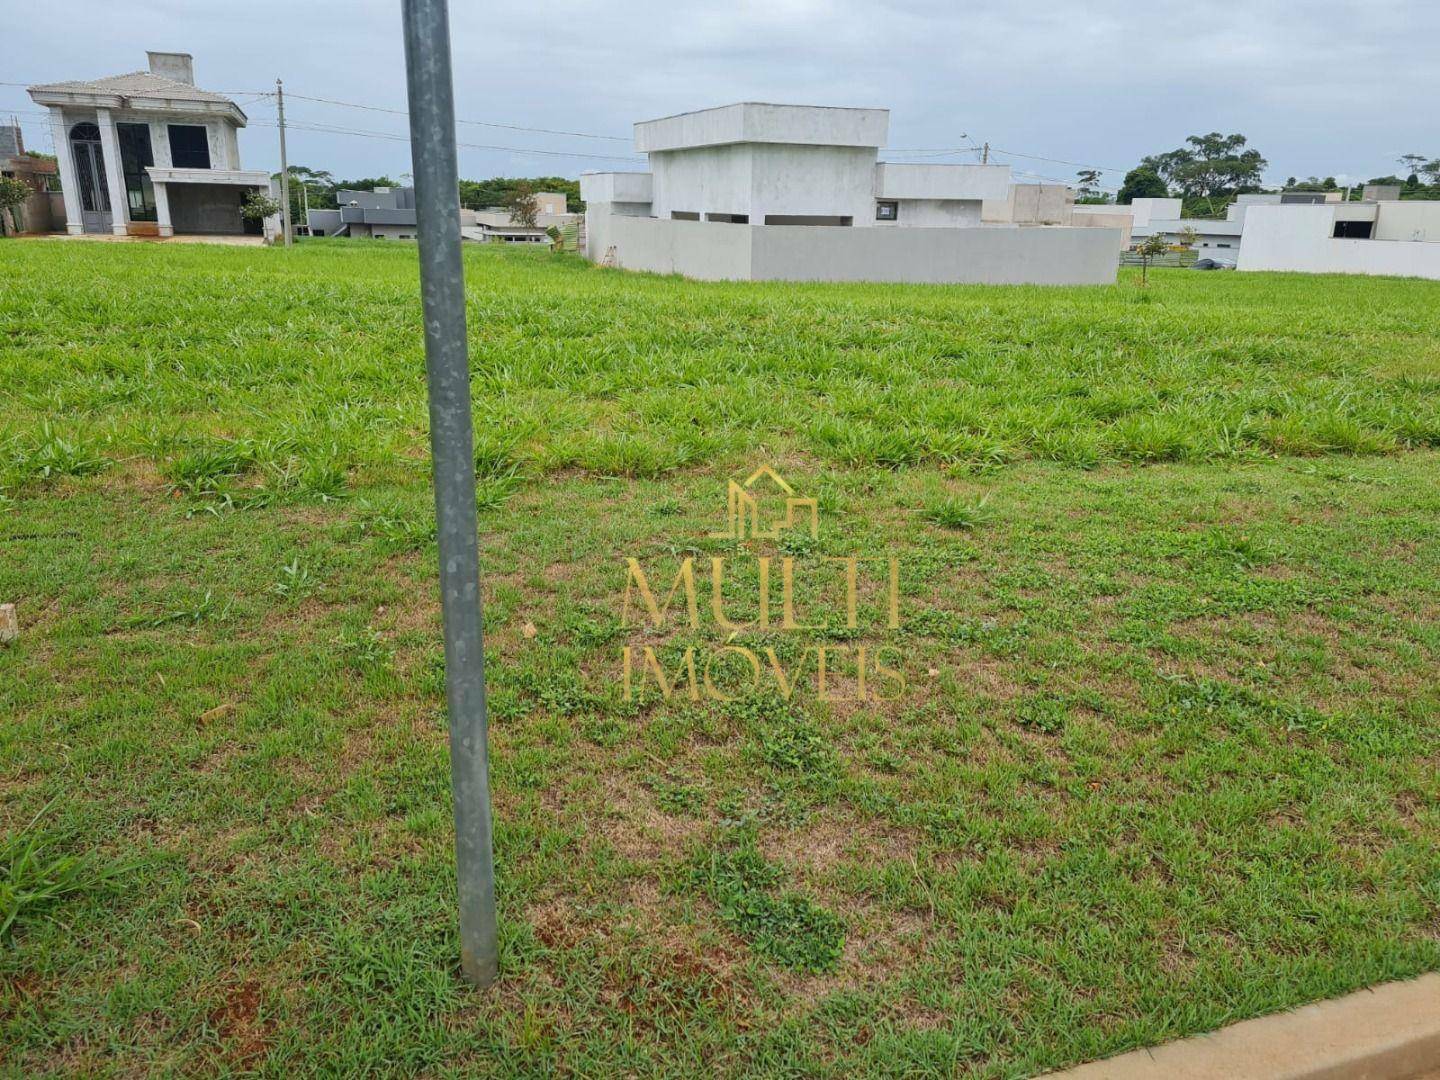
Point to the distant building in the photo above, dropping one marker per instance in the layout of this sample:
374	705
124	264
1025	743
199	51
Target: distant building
1383	236
496	225
35	173
796	192
389	213
148	153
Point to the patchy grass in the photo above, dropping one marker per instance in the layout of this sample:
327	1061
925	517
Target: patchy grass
1166	754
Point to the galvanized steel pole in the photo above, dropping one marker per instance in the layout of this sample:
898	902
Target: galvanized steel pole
442	291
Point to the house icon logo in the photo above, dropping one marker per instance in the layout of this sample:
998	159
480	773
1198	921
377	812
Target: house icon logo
743	518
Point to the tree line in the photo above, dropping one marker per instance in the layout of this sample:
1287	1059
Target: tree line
318	188
1209	171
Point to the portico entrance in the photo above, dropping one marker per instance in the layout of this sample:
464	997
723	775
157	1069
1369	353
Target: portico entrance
95	215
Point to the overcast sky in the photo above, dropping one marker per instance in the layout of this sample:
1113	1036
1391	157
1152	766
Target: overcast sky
1324	87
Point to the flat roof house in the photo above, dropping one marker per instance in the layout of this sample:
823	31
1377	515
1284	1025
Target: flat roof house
797	192
148	153
381	214
1379	236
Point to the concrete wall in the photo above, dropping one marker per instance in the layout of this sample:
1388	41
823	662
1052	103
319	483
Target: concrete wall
1083	216
713	251
760	122
327	220
1300	238
616	187
912	181
759	179
206	208
1142	211
813	180
933	213
1417	219
713	178
998	256
1040	204
697	249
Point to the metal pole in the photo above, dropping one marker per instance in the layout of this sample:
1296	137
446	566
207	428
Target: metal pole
284	165
442	291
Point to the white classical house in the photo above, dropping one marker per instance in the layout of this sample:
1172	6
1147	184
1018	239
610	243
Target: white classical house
796	192
148	153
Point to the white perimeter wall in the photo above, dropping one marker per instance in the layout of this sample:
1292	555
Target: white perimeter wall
707	250
1300	238
714	251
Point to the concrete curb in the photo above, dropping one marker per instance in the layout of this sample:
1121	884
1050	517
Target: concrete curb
1390	1032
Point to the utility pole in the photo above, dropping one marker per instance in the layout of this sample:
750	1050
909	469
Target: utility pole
284	165
984	150
431	91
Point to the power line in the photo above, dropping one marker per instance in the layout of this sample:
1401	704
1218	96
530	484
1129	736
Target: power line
474	123
1056	161
332	129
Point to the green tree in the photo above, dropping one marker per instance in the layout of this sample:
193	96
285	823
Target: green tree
258	205
485	194
1412	162
1088	191
13	194
523	206
1212	166
1153	245
1142	183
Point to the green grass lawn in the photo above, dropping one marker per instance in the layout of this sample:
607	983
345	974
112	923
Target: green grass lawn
1169	604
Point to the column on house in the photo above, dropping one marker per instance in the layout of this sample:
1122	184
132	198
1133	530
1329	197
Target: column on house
114	174
69	186
162	208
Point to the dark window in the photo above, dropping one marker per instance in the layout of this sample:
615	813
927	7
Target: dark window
887	211
731	219
189	147
1353	230
1222	245
684	215
135	155
807	219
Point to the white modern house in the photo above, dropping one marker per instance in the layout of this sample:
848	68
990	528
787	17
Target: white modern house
148	153
1380	236
757	191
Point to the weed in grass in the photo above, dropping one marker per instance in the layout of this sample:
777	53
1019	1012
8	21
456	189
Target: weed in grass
363	649
296	581
958	514
47	456
35	874
781	925
792	744
190	613
1042	713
